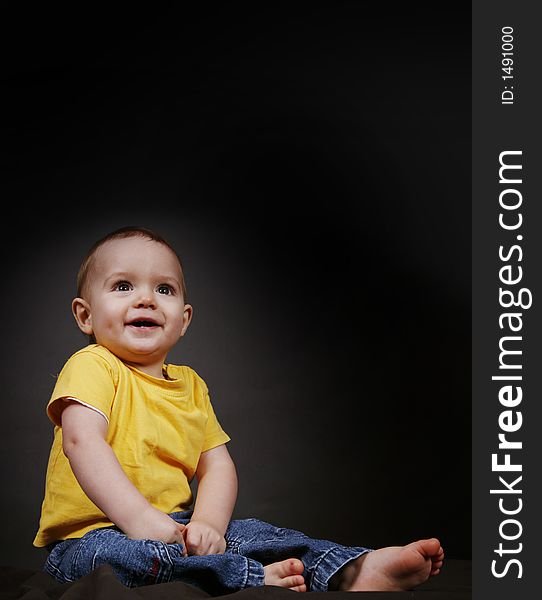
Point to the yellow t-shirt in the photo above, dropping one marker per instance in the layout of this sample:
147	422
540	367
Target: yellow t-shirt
158	429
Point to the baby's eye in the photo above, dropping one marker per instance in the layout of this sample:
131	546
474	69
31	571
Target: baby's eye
122	286
164	289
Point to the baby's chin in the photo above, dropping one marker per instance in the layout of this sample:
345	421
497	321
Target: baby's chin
139	353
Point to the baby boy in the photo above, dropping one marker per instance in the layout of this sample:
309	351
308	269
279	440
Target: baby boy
131	432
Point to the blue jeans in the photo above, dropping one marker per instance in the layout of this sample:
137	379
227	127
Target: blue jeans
250	544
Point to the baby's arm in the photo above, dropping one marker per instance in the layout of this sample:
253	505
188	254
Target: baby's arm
101	477
215	500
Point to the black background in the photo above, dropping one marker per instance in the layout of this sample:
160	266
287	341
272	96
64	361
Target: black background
311	163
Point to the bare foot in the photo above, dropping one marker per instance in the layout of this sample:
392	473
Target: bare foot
287	574
394	569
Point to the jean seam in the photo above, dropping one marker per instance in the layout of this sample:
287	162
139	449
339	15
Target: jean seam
164	574
247	573
316	567
333	551
84	542
86	539
257	577
56	573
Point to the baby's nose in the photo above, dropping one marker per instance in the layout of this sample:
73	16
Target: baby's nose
145	300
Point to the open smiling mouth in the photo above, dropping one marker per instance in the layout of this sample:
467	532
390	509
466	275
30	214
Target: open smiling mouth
143	324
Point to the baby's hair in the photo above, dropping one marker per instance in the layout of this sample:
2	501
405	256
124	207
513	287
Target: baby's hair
123	233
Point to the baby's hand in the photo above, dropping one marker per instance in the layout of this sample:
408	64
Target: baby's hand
202	539
153	524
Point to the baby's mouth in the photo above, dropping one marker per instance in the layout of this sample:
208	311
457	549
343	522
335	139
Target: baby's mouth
143	324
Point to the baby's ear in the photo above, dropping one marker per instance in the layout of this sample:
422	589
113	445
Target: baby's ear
187	317
81	312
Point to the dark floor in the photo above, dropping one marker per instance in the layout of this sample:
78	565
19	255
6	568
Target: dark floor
454	583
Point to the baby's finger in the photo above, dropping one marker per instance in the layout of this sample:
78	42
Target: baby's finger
193	542
181	537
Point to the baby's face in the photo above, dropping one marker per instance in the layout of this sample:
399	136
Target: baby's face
135	304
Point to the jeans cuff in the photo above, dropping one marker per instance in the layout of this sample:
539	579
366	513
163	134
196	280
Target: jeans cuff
331	562
255	573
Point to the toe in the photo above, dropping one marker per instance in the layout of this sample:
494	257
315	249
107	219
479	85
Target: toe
295	566
293	581
431	547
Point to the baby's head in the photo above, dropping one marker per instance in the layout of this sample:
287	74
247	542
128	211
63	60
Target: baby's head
119	234
131	297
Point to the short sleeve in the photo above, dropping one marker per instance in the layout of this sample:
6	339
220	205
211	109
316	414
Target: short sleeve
88	378
214	434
